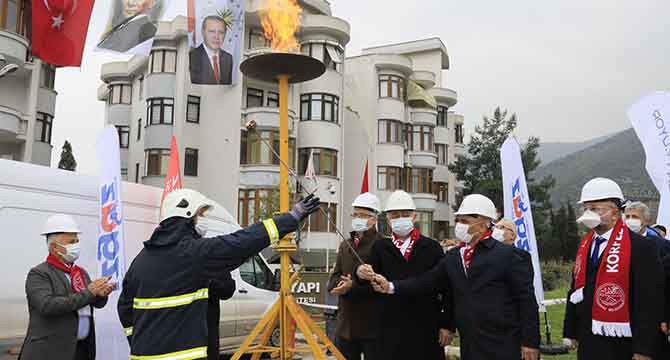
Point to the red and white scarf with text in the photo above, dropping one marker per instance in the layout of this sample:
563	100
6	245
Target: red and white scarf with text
75	272
405	246
610	313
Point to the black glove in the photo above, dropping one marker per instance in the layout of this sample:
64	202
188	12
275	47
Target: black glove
305	207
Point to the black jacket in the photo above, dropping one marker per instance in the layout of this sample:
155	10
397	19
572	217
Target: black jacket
493	307
409	325
219	289
201	67
163	305
645	304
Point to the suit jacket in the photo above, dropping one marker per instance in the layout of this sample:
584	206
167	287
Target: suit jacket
413	320
202	71
53	306
358	315
493	306
645	303
219	289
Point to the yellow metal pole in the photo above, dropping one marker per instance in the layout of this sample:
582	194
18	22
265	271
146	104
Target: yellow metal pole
284	317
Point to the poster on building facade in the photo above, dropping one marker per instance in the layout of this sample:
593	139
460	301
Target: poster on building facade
215	33
131	25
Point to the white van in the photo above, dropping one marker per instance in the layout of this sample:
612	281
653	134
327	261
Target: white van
29	194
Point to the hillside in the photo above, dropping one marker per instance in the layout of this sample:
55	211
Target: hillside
550	151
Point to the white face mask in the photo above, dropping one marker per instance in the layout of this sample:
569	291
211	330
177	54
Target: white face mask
634	224
498	234
71	252
359	225
461	231
402	226
590	219
201	226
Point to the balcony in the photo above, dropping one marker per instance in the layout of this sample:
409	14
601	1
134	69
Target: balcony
423	117
394	62
10	123
424	78
391	108
160	85
46	100
267	117
14	47
390	155
444	95
333	27
157	136
319	134
425	201
422	159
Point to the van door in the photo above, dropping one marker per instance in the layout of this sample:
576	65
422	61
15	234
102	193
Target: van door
253	295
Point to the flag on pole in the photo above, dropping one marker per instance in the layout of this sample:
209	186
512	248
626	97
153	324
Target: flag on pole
59	29
173	178
365	187
518	209
651	120
110	338
310	175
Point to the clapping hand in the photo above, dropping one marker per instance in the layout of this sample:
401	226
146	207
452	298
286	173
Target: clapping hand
101	287
343	286
365	272
380	284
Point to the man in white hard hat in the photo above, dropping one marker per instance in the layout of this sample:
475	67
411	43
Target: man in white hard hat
614	307
489	289
164	302
357	328
411	328
61	298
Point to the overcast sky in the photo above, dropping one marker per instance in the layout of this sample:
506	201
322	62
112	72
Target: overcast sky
568	68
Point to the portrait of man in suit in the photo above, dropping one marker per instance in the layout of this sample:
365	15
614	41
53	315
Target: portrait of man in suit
210	64
131	22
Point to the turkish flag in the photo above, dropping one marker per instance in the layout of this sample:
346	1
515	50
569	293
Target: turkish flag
364	187
173	178
59	29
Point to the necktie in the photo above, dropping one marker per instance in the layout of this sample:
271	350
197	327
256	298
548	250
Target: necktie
467	256
596	250
215	61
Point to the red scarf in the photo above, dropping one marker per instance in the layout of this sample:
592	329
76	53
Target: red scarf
75	272
470	249
610	313
400	243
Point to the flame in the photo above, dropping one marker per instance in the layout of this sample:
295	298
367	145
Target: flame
281	20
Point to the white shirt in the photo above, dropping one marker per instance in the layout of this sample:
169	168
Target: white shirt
84	326
601	250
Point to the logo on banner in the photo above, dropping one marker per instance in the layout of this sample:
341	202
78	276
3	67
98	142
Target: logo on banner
610	297
110	225
520	209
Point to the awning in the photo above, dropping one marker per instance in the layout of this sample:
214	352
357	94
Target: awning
334	54
415	93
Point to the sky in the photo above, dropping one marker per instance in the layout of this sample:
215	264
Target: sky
569	69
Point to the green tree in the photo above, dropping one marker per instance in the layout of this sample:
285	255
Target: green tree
573	237
67	161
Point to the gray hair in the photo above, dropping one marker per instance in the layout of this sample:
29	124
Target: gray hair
638	205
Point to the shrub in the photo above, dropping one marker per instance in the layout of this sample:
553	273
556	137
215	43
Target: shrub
556	274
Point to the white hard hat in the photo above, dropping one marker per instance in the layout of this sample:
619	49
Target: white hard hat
601	189
477	204
184	203
368	201
400	200
60	223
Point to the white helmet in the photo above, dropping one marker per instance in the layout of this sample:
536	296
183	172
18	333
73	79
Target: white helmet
184	203
367	201
60	223
477	204
601	189
400	200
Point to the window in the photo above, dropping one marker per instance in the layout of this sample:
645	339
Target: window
391	86
440	230
139	129
409	141
124	136
388	178
459	133
137	173
163	61
160	111
157	161
254	97
442	151
317	106
141	88
193	109
390	131
330	54
418	180
325	161
257	39
273	99
124	172
48	76
424	222
43	126
13	15
256	204
442	113
442	191
253	151
422	138
255	273
120	94
191	162
319	222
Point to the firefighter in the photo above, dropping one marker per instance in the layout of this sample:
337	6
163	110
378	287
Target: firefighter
163	305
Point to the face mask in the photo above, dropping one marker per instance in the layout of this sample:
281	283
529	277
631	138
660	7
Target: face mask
201	226
634	224
359	225
71	252
590	219
402	226
498	234
461	232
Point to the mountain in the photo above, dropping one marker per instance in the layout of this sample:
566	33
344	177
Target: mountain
619	157
550	151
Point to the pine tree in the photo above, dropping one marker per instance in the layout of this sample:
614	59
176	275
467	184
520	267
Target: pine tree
572	234
67	161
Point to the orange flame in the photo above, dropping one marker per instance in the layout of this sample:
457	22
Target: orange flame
281	20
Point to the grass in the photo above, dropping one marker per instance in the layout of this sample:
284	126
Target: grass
555	315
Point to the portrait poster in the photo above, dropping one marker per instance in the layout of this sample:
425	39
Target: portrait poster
132	25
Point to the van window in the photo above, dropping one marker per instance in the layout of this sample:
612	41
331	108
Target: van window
256	273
